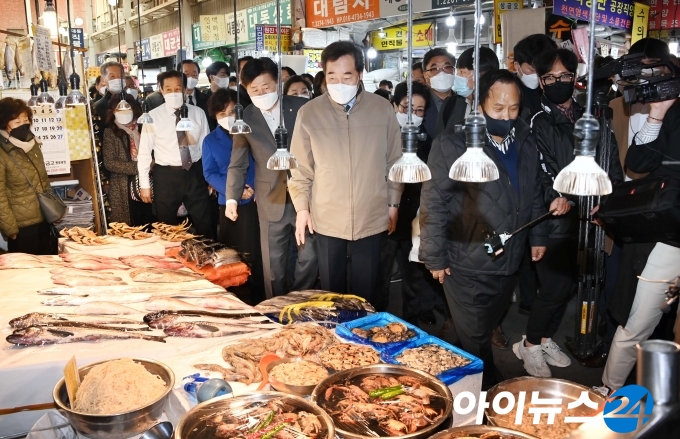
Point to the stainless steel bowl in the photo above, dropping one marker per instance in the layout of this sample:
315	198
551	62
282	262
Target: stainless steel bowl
120	425
479	430
290	388
193	422
565	390
318	396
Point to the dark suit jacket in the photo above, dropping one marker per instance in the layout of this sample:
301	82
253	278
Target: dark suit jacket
270	186
244	97
202	103
154	100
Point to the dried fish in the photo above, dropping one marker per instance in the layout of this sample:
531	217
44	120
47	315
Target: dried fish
221	302
41	335
342	356
96	266
103	308
177	290
162	275
77	281
170	320
81	300
431	358
205	329
37	318
143	261
77	272
150	317
83	236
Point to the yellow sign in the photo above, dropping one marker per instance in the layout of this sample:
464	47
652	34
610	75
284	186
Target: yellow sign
558	27
500	6
213	28
92	73
313	61
396	37
640	22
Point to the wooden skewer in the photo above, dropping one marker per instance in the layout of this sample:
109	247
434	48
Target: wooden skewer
28	408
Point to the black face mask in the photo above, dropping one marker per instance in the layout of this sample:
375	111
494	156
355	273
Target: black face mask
22	132
498	127
559	92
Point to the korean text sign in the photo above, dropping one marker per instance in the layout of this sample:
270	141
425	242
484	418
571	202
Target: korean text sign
614	13
324	13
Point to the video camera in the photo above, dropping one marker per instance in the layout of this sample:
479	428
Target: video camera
662	85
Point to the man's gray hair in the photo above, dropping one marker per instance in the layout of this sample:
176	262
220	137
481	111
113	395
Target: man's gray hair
108	64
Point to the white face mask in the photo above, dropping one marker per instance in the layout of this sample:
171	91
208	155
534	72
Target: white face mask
531	81
173	100
115	85
102	90
402	118
233	87
221	82
442	82
265	101
123	117
227	122
191	83
132	92
342	93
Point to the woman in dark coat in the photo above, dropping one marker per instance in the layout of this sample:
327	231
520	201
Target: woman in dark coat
120	145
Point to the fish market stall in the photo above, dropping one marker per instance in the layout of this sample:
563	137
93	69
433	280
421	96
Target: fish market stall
142	307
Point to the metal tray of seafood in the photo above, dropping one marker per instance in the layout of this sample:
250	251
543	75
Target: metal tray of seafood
481	432
566	391
345	378
449	376
378	319
195	424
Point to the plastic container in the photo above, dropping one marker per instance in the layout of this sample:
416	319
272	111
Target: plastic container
448	376
378	319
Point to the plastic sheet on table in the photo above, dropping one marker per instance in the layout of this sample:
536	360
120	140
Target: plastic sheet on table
377	319
450	376
52	425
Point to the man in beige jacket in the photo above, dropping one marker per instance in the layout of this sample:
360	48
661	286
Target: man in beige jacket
345	143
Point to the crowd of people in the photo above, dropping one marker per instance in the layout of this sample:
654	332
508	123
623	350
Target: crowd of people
336	222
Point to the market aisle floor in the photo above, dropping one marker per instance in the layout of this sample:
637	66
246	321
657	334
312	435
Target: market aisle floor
514	326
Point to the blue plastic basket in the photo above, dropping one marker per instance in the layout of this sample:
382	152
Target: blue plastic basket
448	376
378	319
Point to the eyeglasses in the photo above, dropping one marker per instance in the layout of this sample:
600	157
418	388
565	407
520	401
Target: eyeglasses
566	78
417	111
435	70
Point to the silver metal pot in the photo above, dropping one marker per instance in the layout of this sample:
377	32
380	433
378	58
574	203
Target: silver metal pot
564	390
120	425
478	430
194	420
378	369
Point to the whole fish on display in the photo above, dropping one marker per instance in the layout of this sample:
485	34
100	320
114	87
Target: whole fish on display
81	300
41	335
170	304
96	266
142	261
170	320
205	330
221	302
194	313
163	275
103	308
169	290
76	272
77	281
39	318
73	257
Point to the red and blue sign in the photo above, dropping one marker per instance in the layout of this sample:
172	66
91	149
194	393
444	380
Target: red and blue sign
613	13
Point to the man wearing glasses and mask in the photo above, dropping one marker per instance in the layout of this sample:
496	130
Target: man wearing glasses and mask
438	69
553	129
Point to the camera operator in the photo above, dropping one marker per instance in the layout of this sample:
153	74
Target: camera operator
655	142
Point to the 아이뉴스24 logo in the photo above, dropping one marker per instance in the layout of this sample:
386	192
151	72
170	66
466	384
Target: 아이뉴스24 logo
628	408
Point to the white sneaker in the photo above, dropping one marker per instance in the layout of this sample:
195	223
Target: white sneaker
534	363
603	390
553	354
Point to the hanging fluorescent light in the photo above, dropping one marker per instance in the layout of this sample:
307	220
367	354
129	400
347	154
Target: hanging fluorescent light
673	44
145	117
583	176
33	100
282	159
409	168
371	52
63	91
474	165
79	21
49	18
451	42
239	127
206	62
75	97
113	2
184	124
451	20
44	98
381	33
